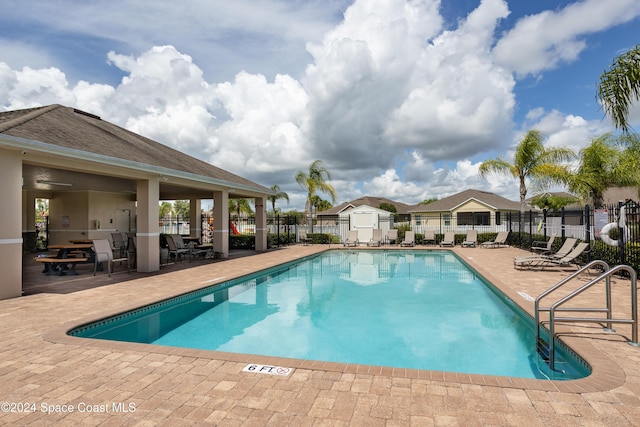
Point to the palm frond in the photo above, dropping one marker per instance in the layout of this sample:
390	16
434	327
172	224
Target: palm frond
619	86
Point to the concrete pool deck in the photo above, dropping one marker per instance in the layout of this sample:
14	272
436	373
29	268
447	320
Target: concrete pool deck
92	382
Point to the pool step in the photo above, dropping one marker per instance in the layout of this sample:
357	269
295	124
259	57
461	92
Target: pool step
543	349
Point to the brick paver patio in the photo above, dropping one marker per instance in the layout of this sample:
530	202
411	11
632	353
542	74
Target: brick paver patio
91	382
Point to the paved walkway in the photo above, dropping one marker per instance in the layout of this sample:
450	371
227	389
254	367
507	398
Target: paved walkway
92	382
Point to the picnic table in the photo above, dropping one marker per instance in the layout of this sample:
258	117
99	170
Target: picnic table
189	239
67	255
205	249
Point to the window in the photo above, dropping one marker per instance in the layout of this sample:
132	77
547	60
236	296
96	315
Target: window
498	218
473	218
447	219
482	218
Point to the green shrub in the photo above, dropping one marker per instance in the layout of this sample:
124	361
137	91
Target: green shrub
402	229
284	239
242	241
323	238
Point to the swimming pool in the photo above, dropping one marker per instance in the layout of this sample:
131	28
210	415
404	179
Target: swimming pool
400	308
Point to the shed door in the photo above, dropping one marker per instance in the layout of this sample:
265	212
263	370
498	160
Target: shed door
365	222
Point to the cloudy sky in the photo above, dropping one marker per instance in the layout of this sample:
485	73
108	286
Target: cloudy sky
399	99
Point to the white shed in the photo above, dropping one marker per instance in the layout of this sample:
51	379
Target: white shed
364	219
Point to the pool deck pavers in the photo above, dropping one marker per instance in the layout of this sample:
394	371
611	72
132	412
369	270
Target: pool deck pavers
49	378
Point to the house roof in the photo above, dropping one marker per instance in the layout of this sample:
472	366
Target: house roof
452	202
374	202
562	194
75	131
613	195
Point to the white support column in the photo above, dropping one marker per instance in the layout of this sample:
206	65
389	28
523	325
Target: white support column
11	224
261	224
147	229
195	218
221	223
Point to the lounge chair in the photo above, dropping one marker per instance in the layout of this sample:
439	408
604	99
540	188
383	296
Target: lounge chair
176	249
543	248
104	254
392	236
471	240
564	250
409	239
376	239
429	237
499	241
119	243
352	239
449	239
303	238
545	261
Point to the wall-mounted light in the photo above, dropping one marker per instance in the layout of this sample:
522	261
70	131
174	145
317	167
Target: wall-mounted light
61	184
163	178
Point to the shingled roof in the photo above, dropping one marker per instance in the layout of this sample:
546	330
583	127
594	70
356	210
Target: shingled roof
451	202
374	202
74	129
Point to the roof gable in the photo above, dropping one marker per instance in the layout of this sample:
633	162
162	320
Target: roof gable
372	201
366	208
454	201
473	199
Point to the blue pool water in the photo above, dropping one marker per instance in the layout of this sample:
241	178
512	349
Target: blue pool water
398	308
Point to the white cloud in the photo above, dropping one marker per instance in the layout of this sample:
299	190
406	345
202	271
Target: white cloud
265	127
394	105
456	82
91	96
8	80
544	41
33	87
390	185
361	71
565	130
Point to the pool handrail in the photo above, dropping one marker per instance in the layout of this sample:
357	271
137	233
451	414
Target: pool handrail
537	308
606	275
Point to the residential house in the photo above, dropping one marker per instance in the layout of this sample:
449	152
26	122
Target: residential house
469	209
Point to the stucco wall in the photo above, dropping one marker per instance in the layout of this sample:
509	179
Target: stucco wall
73	215
116	212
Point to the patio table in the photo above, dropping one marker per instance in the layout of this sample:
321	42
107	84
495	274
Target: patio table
58	263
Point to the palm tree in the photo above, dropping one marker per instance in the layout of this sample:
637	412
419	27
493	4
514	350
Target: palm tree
619	86
320	204
602	165
239	206
531	160
278	195
165	209
182	208
316	180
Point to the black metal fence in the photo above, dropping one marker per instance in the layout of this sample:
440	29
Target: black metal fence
620	246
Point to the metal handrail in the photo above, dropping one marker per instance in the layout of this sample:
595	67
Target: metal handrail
633	321
537	308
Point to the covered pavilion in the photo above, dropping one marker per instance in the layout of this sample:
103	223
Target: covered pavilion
102	178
